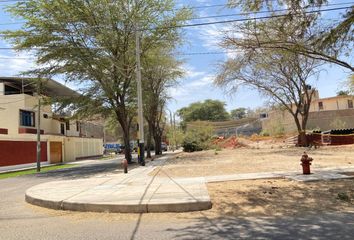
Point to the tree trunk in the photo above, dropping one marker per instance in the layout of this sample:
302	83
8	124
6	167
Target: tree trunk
127	149
301	129
303	141
122	118
148	143
157	139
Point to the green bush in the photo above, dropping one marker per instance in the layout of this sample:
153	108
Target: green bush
264	133
198	138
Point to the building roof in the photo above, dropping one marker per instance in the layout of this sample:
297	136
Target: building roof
50	88
335	97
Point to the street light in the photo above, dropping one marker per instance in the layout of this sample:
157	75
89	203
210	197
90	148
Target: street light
173	127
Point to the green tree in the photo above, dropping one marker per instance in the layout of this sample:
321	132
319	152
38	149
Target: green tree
343	93
92	43
198	137
160	73
238	113
209	110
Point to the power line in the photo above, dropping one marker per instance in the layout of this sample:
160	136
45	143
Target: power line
217	16
174	9
228	21
265	11
249	19
178	54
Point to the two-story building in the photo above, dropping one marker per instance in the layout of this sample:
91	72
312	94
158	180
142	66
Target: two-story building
62	138
325	114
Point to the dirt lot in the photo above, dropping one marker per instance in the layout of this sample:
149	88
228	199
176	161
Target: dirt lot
274	197
267	156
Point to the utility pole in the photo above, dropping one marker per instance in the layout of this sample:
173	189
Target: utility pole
39	126
172	128
140	99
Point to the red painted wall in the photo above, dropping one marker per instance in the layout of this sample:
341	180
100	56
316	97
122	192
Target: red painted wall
20	152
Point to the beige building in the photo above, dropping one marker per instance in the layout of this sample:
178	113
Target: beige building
63	139
325	114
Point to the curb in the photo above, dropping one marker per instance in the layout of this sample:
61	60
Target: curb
120	208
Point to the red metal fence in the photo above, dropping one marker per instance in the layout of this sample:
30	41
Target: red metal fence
20	152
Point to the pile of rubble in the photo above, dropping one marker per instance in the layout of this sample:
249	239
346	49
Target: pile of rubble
231	142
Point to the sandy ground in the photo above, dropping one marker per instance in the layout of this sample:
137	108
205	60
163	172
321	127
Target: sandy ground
280	197
269	197
265	156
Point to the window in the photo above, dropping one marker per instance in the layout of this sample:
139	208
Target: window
77	126
263	115
67	125
350	103
27	118
320	105
62	129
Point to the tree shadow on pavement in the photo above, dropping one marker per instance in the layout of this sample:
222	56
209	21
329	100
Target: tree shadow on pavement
324	226
86	171
275	209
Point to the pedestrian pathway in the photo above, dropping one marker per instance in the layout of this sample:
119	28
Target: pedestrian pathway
316	175
21	167
135	192
139	191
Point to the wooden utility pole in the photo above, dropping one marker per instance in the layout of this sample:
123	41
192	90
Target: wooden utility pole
39	126
140	99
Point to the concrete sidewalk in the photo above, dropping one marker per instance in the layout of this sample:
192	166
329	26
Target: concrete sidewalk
135	192
21	167
316	175
138	192
28	166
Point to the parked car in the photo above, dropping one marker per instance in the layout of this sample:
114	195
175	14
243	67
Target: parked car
163	146
112	148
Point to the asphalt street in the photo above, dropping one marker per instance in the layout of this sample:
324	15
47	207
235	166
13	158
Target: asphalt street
19	220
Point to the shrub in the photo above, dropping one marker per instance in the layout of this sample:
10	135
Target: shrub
198	138
264	133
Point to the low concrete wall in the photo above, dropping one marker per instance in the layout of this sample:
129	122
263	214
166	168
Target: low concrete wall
78	148
323	120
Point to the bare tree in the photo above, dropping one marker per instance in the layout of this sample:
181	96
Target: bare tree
327	41
281	75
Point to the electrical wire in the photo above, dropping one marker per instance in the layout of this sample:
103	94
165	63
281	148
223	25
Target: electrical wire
225	21
224	15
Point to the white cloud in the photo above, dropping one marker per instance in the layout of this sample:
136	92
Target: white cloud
190	72
206	80
13	63
190	87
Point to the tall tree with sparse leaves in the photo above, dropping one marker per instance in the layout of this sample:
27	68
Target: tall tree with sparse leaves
160	71
327	41
92	43
282	76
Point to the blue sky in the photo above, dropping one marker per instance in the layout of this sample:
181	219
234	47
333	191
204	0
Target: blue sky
197	84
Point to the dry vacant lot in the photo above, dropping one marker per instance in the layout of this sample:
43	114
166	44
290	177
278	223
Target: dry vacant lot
251	198
280	197
260	157
267	197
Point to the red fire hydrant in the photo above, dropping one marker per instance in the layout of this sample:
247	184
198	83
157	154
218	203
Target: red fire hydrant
306	162
125	165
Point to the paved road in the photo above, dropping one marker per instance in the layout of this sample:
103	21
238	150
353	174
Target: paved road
19	220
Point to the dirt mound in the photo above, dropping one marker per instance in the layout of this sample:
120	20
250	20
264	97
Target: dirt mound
231	142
